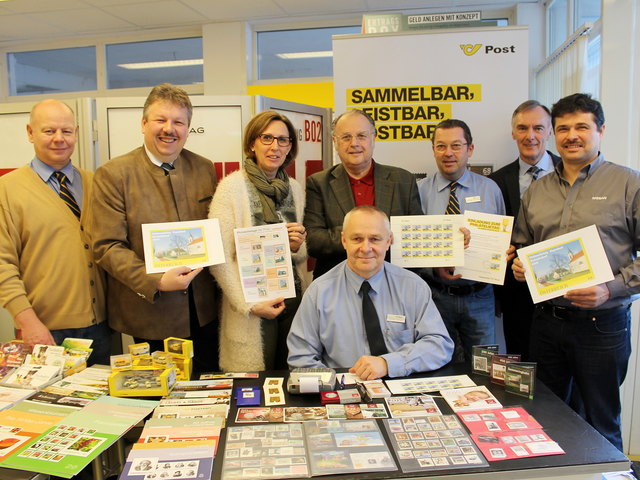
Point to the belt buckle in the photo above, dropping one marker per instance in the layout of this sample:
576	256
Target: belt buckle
559	312
451	290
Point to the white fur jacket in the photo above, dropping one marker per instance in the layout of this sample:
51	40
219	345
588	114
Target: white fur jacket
240	333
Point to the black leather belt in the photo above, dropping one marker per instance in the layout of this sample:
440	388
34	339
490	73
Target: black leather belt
572	313
458	290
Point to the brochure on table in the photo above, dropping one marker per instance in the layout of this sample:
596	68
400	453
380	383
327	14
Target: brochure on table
70	445
470	398
20	427
486	259
412	406
567	262
192	244
264	262
427	240
170	460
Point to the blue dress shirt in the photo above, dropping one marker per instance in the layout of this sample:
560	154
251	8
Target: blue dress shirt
328	330
475	192
545	164
45	172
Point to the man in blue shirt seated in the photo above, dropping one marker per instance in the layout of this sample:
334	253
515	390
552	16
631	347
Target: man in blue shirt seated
330	330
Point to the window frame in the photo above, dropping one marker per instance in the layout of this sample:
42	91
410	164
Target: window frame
100	44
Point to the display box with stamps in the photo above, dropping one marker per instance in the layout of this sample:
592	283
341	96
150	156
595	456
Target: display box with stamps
142	383
179	347
184	367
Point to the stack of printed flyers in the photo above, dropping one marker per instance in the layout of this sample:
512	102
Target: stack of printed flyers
174	448
298	450
29	418
181	439
197	398
64	445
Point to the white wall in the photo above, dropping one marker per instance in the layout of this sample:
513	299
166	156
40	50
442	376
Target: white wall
621	144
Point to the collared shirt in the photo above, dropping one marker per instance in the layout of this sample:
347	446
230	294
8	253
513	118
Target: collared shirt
328	330
153	159
545	164
604	194
475	192
45	172
363	188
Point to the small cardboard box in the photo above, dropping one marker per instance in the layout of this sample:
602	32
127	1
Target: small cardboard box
142	383
140	349
162	359
184	367
179	347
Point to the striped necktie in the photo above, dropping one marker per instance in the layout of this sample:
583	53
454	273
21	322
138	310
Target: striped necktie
535	172
453	207
167	167
65	193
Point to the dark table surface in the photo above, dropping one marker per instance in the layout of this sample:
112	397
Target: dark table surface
584	446
586	450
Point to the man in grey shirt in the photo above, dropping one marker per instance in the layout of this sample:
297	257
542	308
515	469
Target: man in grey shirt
582	339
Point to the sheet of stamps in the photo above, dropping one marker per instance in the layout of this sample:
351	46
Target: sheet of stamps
436	442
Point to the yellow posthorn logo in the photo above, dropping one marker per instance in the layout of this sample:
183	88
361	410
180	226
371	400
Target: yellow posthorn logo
470	49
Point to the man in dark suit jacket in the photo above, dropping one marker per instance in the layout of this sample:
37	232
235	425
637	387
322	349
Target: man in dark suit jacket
358	180
531	129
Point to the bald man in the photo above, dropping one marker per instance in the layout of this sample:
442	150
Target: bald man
49	282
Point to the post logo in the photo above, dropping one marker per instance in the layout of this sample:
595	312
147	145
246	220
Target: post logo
470	49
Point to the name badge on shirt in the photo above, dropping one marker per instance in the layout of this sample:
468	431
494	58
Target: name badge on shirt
395	318
475	199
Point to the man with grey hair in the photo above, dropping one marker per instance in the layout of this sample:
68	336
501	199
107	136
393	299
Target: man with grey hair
357	180
157	182
366	314
531	130
48	280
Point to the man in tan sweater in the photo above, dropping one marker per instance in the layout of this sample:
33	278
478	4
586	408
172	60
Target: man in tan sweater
49	282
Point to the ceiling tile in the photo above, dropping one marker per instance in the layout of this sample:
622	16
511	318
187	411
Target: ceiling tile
15	27
87	20
166	13
237	10
35	6
310	7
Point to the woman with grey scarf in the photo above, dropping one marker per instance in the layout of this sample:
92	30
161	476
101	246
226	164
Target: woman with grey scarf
253	335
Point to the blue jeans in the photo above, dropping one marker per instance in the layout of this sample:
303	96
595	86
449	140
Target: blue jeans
101	336
470	319
587	351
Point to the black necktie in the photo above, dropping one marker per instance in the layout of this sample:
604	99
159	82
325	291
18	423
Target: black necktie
371	323
65	193
167	167
453	207
534	171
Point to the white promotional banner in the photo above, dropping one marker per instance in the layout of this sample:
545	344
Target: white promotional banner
409	82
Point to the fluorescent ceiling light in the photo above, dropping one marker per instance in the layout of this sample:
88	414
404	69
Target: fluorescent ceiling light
165	64
298	55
